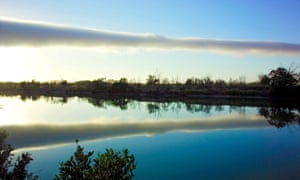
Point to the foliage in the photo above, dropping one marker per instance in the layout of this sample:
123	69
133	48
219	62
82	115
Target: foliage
122	84
264	79
152	79
107	166
114	165
77	167
8	170
282	77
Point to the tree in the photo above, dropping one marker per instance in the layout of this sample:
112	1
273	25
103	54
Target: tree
6	158
189	82
78	167
282	78
120	85
208	82
110	165
152	79
114	165
220	83
264	79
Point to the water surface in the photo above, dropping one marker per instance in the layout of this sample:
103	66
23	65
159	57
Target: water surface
170	140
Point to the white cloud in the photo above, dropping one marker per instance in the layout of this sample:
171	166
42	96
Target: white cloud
25	33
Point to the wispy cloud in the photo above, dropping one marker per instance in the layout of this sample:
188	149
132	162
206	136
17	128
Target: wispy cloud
25	33
37	135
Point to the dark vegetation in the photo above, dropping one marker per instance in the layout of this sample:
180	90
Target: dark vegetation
193	88
111	165
10	169
279	83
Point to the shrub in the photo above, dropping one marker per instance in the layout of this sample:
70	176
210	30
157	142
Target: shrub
110	165
9	170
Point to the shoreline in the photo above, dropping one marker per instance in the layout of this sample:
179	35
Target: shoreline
238	94
212	99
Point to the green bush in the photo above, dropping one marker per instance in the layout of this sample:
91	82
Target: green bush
110	165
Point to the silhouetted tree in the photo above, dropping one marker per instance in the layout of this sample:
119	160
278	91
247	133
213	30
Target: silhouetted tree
9	170
264	79
281	78
220	83
189	82
151	80
78	167
208	82
283	83
122	84
110	165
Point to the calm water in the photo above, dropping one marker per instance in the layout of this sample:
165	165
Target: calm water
169	140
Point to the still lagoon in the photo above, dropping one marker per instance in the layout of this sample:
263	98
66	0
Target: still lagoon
170	140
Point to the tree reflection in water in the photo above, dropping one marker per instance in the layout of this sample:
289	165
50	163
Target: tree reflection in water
276	114
280	116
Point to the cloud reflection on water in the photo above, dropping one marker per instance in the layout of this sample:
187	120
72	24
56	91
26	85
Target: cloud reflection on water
28	136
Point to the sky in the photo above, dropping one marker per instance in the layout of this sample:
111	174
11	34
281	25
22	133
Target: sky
78	40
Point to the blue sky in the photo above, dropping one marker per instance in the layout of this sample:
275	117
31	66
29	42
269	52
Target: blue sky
240	20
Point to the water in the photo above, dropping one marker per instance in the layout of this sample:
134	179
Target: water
170	140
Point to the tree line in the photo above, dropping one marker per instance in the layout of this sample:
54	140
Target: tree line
280	82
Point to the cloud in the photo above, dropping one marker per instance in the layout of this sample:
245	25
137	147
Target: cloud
37	34
44	135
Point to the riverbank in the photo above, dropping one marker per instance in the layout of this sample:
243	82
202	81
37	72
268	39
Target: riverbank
241	94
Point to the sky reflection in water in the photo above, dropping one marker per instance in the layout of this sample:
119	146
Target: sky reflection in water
169	140
47	121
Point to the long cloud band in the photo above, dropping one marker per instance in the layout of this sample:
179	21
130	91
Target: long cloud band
22	33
